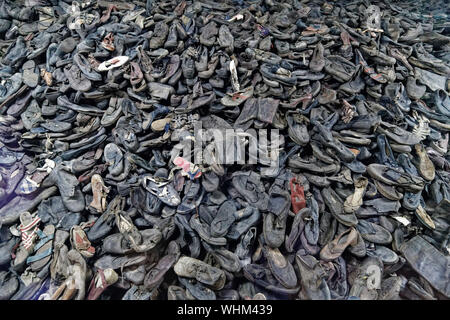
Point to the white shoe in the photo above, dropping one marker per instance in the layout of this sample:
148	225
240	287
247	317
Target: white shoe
113	63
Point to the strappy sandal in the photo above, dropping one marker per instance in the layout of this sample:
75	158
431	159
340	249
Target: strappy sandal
28	228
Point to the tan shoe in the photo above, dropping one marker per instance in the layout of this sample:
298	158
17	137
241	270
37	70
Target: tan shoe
335	248
354	201
160	125
426	167
423	216
99	192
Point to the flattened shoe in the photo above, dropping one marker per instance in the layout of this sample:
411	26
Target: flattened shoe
427	261
395	177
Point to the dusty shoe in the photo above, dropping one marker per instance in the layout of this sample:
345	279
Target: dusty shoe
354	201
336	247
100	192
193	268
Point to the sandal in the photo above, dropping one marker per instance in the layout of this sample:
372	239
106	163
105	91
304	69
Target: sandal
43	249
28	228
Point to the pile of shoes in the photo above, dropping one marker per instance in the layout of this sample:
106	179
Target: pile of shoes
98	98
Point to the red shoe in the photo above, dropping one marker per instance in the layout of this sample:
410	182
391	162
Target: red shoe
297	196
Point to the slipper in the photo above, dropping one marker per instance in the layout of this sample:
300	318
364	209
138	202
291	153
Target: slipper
116	244
150	238
386	255
238	97
201	271
117	262
394	177
366	279
163	189
335	248
373	232
297	227
313	281
113	63
224	258
354	201
43	249
297	196
280	267
80	242
155	276
224	218
336	206
279	199
359	249
260	276
128	229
